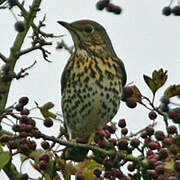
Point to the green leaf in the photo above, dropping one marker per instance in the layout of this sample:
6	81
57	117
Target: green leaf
157	81
4	158
173	90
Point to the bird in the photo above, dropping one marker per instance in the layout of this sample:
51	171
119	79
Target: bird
91	83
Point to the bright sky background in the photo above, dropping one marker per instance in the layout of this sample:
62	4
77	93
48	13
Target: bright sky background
142	37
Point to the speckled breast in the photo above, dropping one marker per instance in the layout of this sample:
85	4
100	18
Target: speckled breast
92	94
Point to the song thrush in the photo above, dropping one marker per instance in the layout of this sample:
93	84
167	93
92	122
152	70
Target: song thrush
92	81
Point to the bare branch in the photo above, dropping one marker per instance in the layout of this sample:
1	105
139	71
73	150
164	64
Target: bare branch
3	57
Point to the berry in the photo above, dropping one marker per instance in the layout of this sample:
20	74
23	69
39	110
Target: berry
164	108
24	119
24	148
166	11
177	165
131	167
163	154
172	129
19	26
108	174
100	5
152	145
159	135
32	145
48	122
122	123
25	112
128	91
19	107
97	172
110	7
80	176
23	100
152	173
108	163
117	10
15	127
11	3
122	144
12	145
152	115
43	164
149	131
44	157
124	131
176	10
159	169
131	102
165	100
167	141
135	143
4	138
45	145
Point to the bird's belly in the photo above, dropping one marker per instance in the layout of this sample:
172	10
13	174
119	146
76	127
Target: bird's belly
89	107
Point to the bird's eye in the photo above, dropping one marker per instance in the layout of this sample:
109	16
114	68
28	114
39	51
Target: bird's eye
88	29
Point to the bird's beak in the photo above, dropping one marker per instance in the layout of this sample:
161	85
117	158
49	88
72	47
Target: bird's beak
66	25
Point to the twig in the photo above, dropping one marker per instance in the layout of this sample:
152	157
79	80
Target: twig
23	70
3	58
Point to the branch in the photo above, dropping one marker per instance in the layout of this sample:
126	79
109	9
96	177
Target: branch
94	149
15	49
3	57
25	51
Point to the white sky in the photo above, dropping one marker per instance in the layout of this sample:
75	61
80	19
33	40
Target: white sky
142	37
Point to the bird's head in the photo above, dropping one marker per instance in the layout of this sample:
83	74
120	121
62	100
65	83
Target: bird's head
89	35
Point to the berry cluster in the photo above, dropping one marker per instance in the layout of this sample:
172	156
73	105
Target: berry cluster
100	5
24	129
168	10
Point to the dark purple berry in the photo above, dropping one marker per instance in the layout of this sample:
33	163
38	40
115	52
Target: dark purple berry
100	5
25	112
172	129
48	122
124	131
177	165
23	100
19	107
128	91
44	157
19	26
163	153
123	144
43	164
45	145
135	143
152	115
122	123
159	169
176	10
24	177
165	100
117	10
131	102
159	135
166	11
